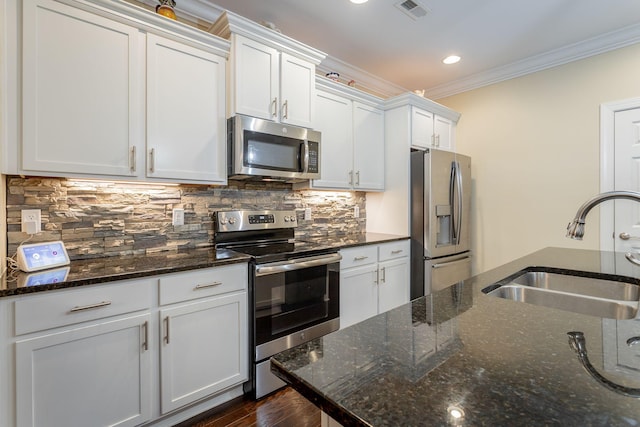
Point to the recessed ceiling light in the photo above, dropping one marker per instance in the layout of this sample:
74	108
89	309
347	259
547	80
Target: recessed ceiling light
451	59
359	1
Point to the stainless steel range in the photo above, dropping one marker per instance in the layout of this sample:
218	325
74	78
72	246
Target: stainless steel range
294	285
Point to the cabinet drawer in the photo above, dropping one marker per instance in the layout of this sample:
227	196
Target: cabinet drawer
393	250
202	283
360	255
66	307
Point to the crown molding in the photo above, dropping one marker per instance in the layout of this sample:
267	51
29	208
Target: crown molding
410	98
611	41
364	80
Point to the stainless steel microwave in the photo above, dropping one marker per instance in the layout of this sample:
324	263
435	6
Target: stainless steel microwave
264	149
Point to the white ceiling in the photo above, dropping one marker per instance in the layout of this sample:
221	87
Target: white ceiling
497	39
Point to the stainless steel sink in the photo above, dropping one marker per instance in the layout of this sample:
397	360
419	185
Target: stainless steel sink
601	288
584	295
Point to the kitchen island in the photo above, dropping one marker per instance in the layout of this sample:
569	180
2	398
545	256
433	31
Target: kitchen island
461	357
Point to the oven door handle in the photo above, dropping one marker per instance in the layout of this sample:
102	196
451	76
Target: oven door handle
296	264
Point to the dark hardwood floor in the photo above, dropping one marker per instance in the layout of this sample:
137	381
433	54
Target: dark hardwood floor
285	408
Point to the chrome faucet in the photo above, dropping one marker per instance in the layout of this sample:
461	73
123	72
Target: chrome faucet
575	229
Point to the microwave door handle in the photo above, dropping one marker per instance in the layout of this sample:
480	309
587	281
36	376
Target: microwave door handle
305	157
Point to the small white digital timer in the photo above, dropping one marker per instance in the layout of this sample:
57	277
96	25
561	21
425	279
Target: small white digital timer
40	256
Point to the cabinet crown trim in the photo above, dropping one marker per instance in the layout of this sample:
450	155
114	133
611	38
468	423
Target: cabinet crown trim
230	23
412	99
143	19
327	85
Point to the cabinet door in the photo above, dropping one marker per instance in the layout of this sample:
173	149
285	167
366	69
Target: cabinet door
334	121
421	128
185	112
96	375
204	349
297	90
81	92
358	294
255	79
368	143
393	284
443	134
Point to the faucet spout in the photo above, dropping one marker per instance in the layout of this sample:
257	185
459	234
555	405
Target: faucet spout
575	229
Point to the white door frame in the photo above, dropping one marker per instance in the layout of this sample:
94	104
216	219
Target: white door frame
607	165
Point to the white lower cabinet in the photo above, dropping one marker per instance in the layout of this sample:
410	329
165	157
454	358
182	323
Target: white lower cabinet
204	346
84	356
373	279
89	375
158	349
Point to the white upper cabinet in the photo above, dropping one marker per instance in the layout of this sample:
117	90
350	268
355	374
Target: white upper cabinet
352	138
81	91
271	76
185	112
121	93
431	125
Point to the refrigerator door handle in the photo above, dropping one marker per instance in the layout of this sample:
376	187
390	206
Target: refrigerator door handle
450	263
458	227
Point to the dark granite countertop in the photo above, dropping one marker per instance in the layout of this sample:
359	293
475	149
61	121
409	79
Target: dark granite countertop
499	362
108	269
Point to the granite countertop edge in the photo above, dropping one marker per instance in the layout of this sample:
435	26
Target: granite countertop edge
111	269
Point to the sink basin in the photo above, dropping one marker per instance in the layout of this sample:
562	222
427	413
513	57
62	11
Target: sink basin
599	307
601	288
584	295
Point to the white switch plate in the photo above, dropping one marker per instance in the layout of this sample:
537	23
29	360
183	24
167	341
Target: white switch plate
31	221
178	217
356	211
307	214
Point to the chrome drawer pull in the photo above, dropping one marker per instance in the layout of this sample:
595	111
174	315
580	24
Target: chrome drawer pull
90	306
207	285
397	251
360	258
145	343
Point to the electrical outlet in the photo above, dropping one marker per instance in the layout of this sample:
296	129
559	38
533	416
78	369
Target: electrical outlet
31	221
307	214
178	217
356	211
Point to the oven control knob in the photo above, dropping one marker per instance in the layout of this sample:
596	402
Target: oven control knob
302	336
286	218
224	221
232	220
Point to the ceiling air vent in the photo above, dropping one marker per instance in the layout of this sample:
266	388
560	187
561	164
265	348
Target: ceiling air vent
412	8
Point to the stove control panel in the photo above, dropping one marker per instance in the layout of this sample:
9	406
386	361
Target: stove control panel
254	220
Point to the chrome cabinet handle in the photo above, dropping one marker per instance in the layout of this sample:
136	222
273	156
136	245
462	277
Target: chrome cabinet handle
90	306
166	331
132	159
360	258
145	343
207	285
285	109
633	341
357	178
152	160
350	177
632	259
397	251
384	274
627	236
274	107
437	140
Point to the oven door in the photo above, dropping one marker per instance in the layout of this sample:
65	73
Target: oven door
295	301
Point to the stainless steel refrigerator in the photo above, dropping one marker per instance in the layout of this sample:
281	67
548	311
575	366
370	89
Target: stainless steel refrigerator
440	220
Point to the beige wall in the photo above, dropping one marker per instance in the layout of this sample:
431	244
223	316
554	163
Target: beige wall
535	147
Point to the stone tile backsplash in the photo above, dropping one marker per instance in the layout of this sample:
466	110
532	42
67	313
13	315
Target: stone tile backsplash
98	218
